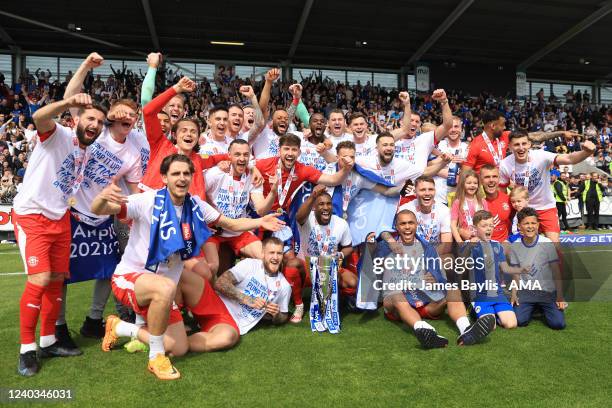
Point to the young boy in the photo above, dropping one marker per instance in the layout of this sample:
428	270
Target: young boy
486	282
519	198
542	287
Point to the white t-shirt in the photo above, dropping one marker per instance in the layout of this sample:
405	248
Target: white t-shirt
54	169
266	144
107	158
540	193
317	240
310	157
228	195
442	189
396	172
367	148
252	280
140	210
212	146
430	225
416	150
541	254
355	182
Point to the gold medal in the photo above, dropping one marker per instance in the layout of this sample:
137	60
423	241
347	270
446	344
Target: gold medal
72	201
345	216
280	211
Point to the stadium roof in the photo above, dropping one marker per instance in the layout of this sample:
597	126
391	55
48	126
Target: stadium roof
552	39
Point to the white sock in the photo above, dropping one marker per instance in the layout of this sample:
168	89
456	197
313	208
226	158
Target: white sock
46	341
156	346
421	324
125	329
140	321
462	324
27	347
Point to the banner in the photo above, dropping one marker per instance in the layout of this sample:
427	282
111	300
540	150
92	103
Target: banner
422	78
573	211
6	224
521	85
370	212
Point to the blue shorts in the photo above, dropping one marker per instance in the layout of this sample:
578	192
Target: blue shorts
483	308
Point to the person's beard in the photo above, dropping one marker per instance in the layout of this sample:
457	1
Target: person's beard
80	132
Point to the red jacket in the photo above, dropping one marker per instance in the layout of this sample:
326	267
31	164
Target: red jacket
161	147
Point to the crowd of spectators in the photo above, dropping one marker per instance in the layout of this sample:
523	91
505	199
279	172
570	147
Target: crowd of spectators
18	101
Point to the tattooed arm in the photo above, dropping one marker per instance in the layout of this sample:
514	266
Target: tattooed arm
226	285
543	136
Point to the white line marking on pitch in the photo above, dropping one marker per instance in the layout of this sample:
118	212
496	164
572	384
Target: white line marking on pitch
11	273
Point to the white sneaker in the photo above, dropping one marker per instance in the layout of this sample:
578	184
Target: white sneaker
298	313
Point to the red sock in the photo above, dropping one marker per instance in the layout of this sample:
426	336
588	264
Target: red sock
295	280
28	315
51	305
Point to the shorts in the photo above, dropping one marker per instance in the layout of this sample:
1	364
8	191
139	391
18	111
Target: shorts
235	243
211	311
549	220
44	244
421	310
123	289
483	308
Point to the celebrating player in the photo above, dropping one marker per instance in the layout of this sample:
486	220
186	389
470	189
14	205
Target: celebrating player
179	229
255	289
42	221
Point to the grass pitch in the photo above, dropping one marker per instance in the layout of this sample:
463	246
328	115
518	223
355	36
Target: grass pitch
371	363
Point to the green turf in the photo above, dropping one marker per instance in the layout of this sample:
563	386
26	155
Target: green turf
371	363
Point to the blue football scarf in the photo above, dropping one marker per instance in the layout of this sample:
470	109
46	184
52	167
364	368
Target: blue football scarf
365	173
169	235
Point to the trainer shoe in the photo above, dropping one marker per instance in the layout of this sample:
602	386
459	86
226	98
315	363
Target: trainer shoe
163	368
64	339
58	350
110	335
298	313
93	328
477	331
430	339
29	364
135	346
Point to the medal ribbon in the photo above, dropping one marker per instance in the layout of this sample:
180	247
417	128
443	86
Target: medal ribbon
497	156
282	191
236	194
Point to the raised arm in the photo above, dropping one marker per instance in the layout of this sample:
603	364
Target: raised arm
93	60
152	126
403	130
447	116
259	122
148	83
44	117
264	99
296	92
588	148
302	213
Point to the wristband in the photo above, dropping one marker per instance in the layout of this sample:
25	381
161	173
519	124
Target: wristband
296	101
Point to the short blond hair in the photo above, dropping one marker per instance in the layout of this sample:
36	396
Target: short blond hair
518	191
